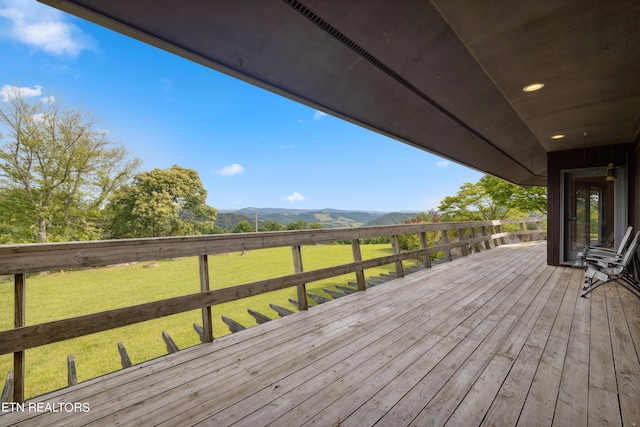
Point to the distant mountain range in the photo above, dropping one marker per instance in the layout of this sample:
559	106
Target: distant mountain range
329	218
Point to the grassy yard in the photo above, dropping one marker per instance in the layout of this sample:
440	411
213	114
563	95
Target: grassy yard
67	294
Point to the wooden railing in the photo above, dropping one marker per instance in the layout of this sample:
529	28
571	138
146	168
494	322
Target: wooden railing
18	260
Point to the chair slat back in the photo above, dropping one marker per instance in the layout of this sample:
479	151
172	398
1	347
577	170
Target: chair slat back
625	240
633	247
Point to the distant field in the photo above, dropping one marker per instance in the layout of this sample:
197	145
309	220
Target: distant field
67	294
323	217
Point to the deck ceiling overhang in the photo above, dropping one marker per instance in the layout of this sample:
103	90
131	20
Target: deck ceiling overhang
445	76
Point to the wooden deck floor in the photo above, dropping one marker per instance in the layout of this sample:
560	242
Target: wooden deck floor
497	338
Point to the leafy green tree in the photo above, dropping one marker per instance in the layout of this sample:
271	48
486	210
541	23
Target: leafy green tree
492	198
162	202
316	226
271	226
14	234
15	226
531	199
412	241
228	221
57	168
301	224
243	227
207	227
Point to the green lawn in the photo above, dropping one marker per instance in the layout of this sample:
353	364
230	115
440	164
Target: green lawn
67	294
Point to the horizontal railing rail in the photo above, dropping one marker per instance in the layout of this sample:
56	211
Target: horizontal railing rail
18	260
27	258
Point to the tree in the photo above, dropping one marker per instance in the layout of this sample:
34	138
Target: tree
162	202
301	224
531	199
428	217
492	198
243	227
412	241
15	225
57	168
271	226
228	221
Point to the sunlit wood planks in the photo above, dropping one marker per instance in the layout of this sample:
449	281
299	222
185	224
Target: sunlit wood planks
495	338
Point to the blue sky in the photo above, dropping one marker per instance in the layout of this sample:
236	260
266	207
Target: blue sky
250	147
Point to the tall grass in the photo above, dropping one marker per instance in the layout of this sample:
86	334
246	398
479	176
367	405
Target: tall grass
67	294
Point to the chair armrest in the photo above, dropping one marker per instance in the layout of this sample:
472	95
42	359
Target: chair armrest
600	251
611	262
598	248
598	259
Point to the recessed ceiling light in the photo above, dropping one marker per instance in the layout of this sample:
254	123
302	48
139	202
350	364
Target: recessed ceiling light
533	87
557	136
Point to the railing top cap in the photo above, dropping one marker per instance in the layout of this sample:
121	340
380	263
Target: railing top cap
59	256
381	230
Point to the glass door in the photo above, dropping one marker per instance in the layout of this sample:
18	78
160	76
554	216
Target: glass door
589	212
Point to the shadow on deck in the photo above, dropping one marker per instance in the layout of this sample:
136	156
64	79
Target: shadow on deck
497	338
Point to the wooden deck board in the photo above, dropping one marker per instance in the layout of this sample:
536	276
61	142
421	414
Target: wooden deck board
496	338
574	384
625	359
542	398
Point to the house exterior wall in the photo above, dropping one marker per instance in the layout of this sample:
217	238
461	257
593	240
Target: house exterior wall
636	184
620	154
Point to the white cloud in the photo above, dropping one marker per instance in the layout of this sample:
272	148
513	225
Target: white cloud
442	164
318	115
233	169
41	118
43	28
9	92
295	197
48	100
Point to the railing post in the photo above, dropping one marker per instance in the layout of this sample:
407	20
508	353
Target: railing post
357	256
463	247
502	240
492	231
445	240
476	245
207	324
424	244
487	241
395	246
20	296
303	303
